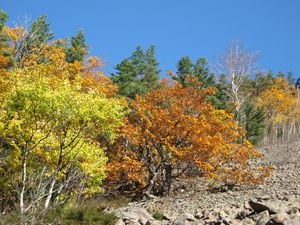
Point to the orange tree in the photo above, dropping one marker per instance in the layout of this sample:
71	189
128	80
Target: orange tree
172	129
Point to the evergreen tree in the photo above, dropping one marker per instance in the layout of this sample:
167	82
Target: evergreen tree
203	74
290	78
39	33
261	82
199	70
78	49
150	78
138	61
184	69
253	120
221	99
3	18
126	78
137	74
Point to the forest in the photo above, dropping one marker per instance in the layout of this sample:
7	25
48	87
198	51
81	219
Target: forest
70	133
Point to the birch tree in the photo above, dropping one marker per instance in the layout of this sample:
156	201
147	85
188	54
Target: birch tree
237	64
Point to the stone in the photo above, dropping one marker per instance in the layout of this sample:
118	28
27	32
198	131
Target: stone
258	206
168	216
263	218
120	222
279	219
156	222
242	214
284	219
134	215
247	221
273	206
188	216
184	219
263	197
199	215
295	219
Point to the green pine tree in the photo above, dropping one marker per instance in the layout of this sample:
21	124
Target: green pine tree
200	70
202	73
184	69
126	78
150	74
253	120
137	74
39	33
78	48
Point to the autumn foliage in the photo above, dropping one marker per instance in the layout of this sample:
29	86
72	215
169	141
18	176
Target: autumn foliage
173	129
68	131
281	104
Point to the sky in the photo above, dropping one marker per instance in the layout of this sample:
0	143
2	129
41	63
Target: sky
194	28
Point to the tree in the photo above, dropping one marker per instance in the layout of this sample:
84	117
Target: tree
203	73
50	135
137	74
237	65
253	120
78	48
150	73
126	79
184	69
172	129
280	103
39	33
31	42
187	73
6	58
200	71
260	83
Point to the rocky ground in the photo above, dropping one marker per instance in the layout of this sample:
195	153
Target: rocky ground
277	202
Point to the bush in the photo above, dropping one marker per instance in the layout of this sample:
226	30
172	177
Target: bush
88	216
158	216
81	215
84	214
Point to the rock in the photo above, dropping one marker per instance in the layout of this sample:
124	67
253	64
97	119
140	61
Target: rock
134	215
279	219
273	206
120	222
242	214
280	194
295	219
168	216
199	215
263	218
284	219
188	216
258	206
263	197
184	219
293	208
156	222
248	221
225	221
144	221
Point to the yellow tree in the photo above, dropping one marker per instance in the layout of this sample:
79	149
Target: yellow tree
280	103
173	129
50	134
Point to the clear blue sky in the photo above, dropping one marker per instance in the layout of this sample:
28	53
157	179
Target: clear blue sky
195	28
